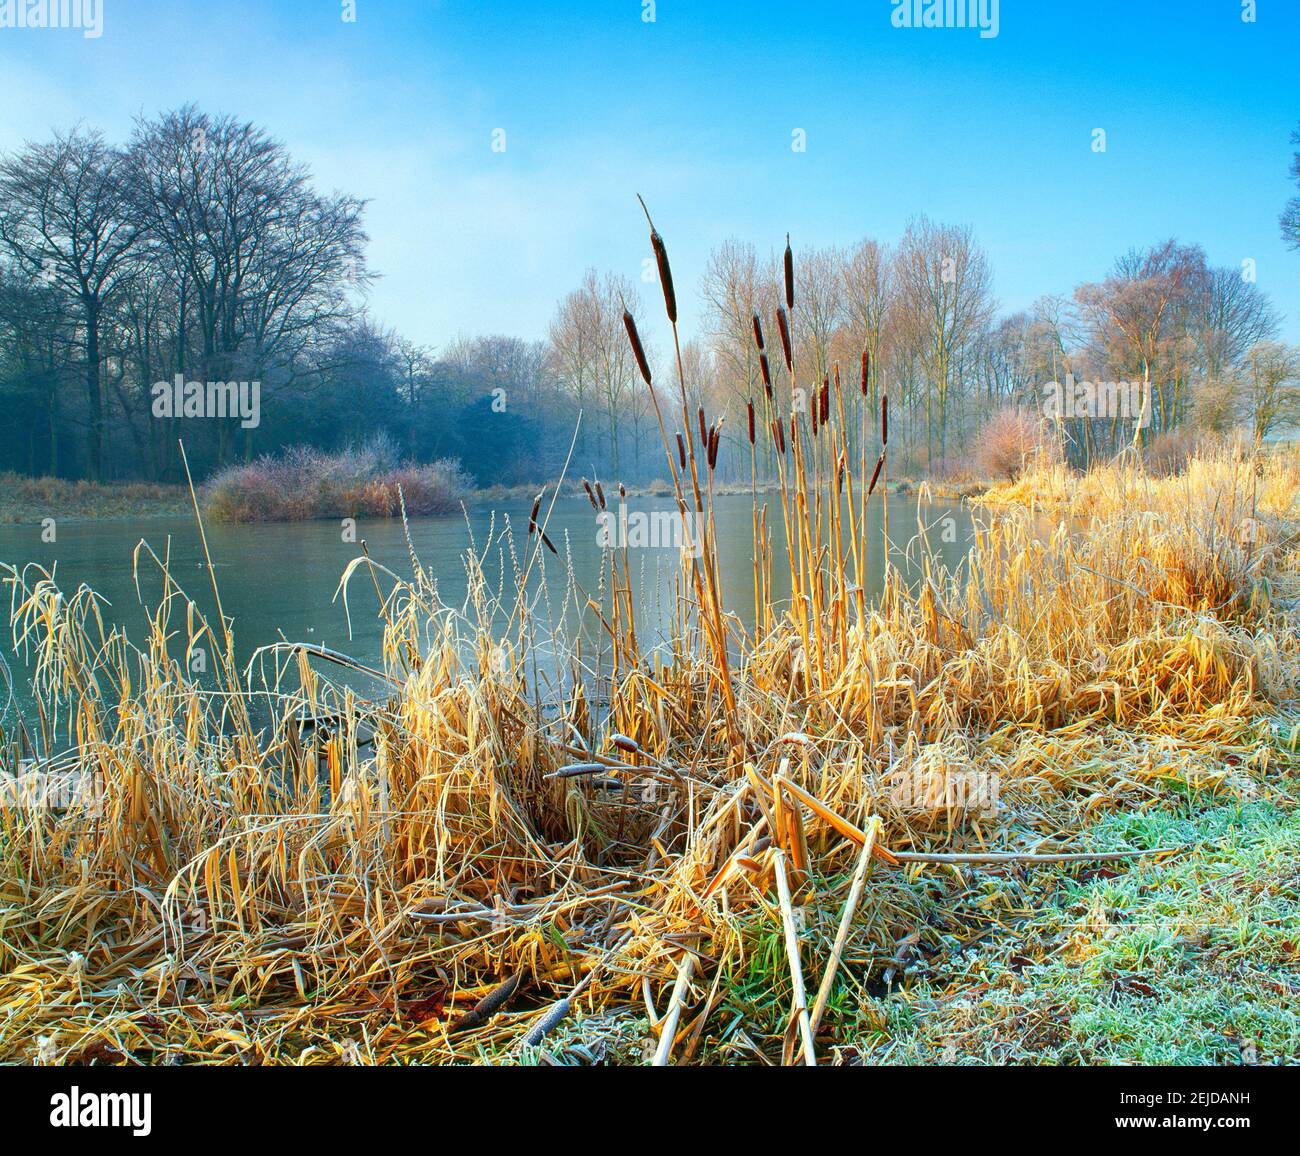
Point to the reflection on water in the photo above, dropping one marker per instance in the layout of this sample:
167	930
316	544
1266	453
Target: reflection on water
278	582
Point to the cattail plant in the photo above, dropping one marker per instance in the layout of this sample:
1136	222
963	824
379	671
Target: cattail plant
665	270
789	274
783	324
534	527
704	572
638	350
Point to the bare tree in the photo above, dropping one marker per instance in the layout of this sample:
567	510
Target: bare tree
735	290
1272	381
267	264
1136	315
820	310
945	288
590	351
62	220
869	302
1291	214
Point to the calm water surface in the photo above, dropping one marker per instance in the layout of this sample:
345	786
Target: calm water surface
279	581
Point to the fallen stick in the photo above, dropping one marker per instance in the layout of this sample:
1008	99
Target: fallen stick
1026	857
800	999
846	924
668	1034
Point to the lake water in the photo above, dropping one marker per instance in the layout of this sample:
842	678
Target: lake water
279	581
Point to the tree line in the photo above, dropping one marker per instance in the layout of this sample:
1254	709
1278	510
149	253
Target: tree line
200	250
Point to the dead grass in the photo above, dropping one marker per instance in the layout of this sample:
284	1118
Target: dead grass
24	499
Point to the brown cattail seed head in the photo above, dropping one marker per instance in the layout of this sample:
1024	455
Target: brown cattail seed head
758	334
826	401
884	419
626	745
767	373
591	494
638	350
714	441
704	429
866	370
751	422
681	450
665	271
665	275
789	274
783	324
532	518
600	493
875	477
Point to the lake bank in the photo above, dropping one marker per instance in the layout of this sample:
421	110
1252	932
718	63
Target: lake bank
28	501
1038	696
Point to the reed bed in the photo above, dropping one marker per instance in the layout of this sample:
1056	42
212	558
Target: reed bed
533	843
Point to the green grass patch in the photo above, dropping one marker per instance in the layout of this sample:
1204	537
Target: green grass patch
1191	960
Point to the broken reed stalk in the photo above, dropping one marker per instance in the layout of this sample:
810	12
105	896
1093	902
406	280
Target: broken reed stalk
846	923
676	1001
1027	856
799	1004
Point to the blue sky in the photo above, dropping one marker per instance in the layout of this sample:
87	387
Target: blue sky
696	111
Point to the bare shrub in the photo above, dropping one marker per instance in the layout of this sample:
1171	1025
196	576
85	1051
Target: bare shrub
304	484
1169	452
1010	442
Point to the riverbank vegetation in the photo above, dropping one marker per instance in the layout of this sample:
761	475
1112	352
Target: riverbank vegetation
304	484
272	291
31	500
548	839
